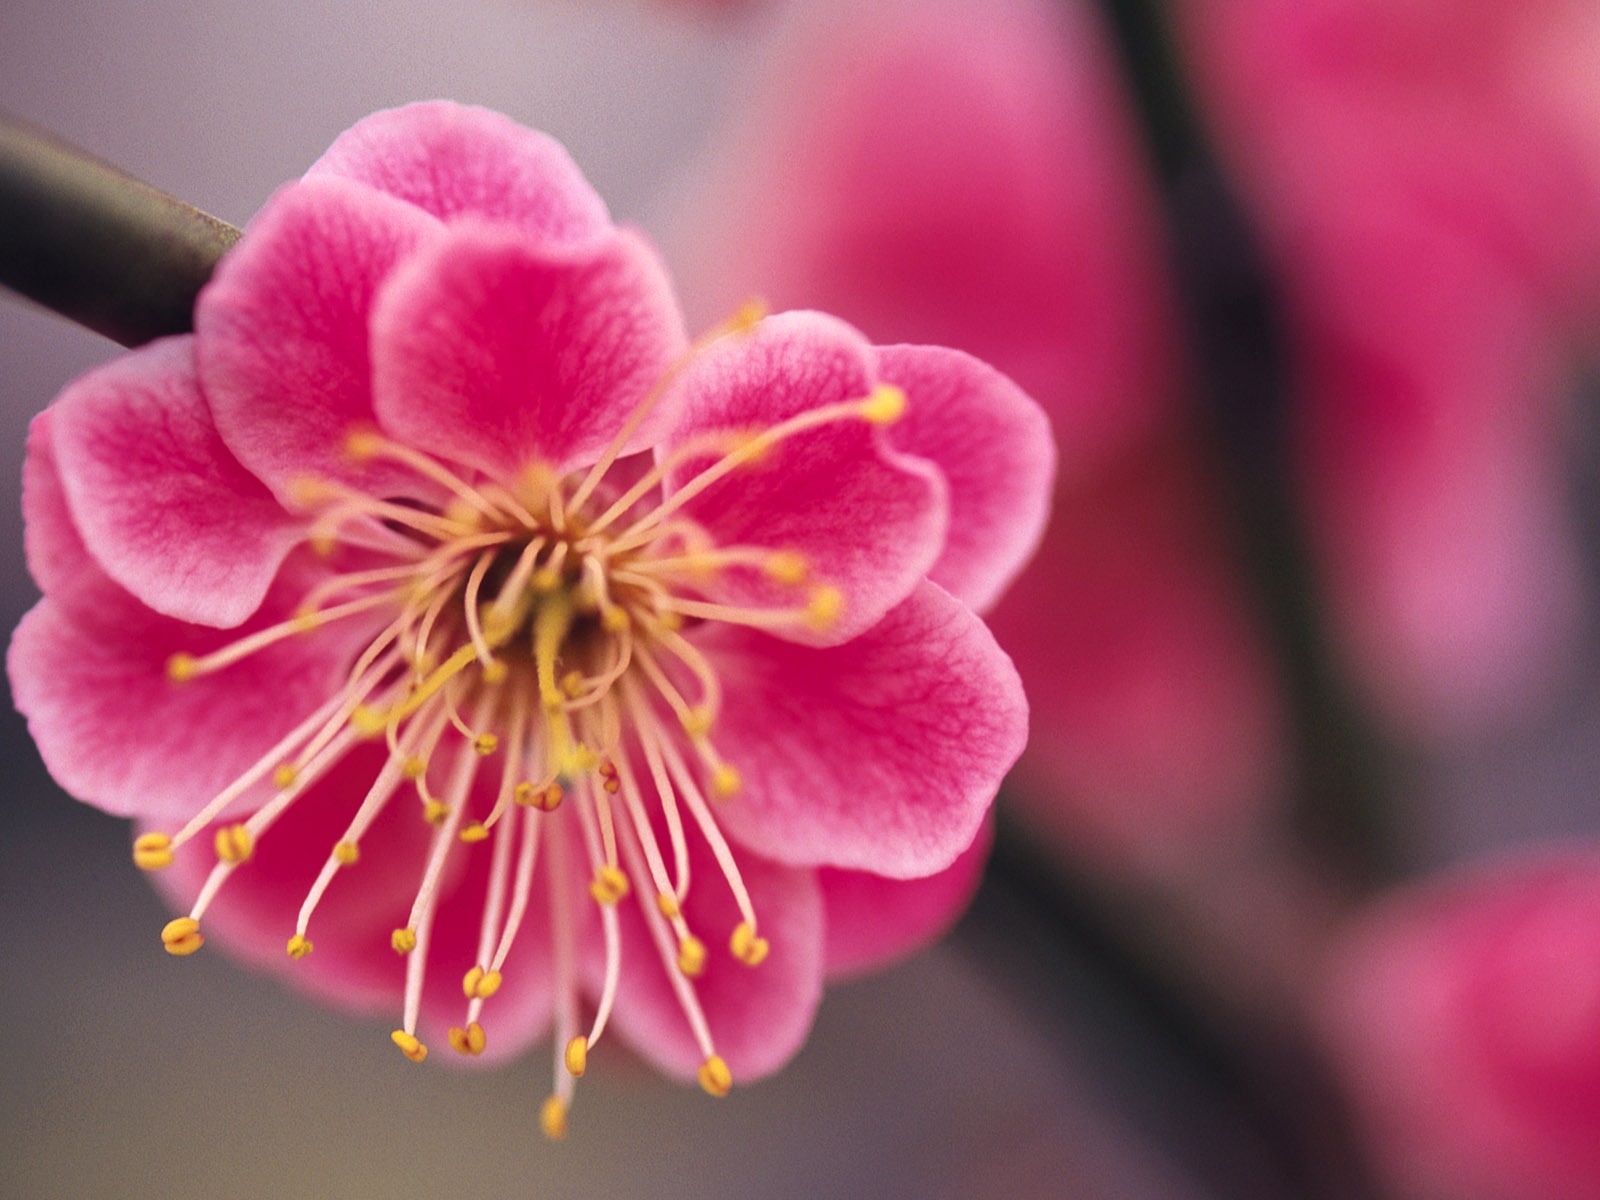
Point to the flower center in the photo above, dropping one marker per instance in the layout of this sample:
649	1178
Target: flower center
536	679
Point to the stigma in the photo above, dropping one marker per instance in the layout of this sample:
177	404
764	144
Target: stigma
533	671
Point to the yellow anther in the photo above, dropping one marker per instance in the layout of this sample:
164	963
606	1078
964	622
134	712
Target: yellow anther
824	607
748	315
285	775
308	490
476	832
726	781
525	794
152	851
409	1046
572	684
670	621
404	941
614	619
553	1118
305	622
609	885
486	743
579	759
668	904
362	443
182	936
714	1076
470	1040
787	567
546	579
697	721
182	667
299	946
348	853
322	542
494	671
746	946
577	1056
414	768
885	406
435	811
549	798
368	721
691	956
478	984
234	843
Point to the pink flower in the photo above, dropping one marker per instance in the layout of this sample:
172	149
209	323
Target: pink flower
1465	1016
438	515
966	172
1428	178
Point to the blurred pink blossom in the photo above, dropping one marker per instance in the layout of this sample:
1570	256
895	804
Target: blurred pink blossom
1428	177
966	171
366	589
1464	1016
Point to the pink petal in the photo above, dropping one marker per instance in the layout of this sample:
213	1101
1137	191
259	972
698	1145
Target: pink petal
872	921
868	519
117	733
161	504
457	161
758	1016
500	353
994	447
1464	1017
283	331
353	964
57	559
880	755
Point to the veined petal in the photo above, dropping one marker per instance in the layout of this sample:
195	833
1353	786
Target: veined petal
160	503
880	755
456	160
872	921
283	335
500	353
758	1016
994	448
865	518
116	732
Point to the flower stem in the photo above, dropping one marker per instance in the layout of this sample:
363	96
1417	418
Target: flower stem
96	245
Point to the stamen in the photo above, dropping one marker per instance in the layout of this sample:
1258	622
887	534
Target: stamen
701	812
368	443
714	1076
181	936
742	321
877	408
470	1040
183	667
409	1046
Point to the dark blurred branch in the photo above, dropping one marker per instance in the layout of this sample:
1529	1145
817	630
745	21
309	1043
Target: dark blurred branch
99	246
1242	364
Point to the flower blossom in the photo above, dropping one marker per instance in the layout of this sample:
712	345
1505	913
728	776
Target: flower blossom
1465	1017
461	634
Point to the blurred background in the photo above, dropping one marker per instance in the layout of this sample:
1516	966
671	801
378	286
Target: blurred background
1310	289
